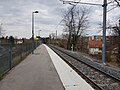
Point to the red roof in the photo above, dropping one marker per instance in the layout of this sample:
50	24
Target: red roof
95	44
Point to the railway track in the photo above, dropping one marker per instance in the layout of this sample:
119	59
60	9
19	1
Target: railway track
99	79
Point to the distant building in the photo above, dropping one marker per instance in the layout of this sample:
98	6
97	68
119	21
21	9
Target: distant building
95	47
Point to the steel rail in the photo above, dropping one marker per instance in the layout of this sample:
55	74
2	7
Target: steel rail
87	79
98	88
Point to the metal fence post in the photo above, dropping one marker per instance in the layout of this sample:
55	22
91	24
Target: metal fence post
21	51
26	49
10	53
32	47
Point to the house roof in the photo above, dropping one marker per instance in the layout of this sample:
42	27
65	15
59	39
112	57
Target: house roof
95	44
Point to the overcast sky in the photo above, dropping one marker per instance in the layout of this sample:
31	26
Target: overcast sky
16	16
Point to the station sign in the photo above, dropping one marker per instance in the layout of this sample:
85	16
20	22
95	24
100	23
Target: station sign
36	39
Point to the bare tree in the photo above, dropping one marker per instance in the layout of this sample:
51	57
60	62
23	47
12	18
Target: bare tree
1	30
81	23
116	32
118	2
68	26
75	24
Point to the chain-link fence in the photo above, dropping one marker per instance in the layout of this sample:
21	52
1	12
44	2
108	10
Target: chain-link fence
12	54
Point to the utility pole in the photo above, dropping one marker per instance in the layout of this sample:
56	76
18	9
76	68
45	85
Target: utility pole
1	30
104	32
119	23
39	32
56	34
104	25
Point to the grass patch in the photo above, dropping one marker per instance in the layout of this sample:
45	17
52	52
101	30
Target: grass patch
3	74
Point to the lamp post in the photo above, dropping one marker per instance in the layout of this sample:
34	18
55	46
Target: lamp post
33	27
33	23
39	32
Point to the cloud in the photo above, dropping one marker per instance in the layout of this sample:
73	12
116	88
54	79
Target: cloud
16	16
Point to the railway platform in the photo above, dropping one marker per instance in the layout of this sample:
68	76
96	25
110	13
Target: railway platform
43	70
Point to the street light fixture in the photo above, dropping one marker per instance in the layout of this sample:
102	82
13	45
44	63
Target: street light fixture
33	27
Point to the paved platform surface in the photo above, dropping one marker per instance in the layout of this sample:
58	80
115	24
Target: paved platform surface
43	70
36	72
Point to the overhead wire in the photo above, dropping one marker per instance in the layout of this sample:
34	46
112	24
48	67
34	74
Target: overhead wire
67	13
112	9
78	2
70	2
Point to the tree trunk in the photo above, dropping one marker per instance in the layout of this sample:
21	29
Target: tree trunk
118	59
118	56
69	42
75	42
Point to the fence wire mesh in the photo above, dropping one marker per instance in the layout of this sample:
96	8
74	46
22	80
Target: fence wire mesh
12	54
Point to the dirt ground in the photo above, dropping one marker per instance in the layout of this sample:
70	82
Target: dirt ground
111	64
